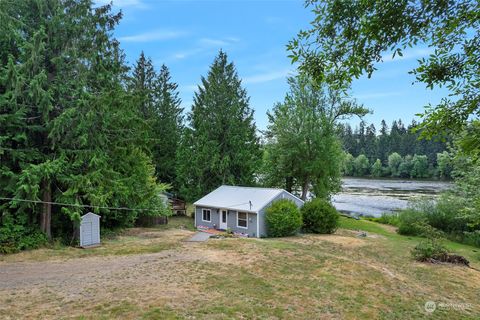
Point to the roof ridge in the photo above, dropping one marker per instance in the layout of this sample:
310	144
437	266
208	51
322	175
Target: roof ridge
246	187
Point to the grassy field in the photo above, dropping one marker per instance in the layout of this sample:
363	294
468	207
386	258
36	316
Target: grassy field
153	274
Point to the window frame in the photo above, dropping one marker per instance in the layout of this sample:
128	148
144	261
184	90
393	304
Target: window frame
209	215
246	220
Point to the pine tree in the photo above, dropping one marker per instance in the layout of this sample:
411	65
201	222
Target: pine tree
72	136
221	147
167	126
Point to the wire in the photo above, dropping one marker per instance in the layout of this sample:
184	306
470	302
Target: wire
75	205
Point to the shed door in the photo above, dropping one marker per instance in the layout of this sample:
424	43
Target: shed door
87	234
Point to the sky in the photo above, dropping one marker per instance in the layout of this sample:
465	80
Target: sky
186	35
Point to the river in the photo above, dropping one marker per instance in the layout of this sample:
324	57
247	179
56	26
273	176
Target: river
373	197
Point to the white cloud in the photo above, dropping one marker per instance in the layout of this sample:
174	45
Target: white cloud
374	95
204	45
153	36
268	76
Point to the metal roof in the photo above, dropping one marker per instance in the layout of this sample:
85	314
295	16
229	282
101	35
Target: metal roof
239	198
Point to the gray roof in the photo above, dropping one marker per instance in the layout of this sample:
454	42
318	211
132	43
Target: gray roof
239	198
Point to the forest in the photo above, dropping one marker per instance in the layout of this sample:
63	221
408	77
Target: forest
395	151
82	130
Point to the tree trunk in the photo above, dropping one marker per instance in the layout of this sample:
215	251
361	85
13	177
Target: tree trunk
305	186
289	184
46	215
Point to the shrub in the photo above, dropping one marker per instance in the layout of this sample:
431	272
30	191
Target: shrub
429	249
411	222
283	218
319	216
16	237
387	218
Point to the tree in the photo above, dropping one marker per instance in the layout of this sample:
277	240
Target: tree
303	136
220	146
167	127
347	39
394	161
405	168
362	166
348	165
445	165
377	169
68	133
419	166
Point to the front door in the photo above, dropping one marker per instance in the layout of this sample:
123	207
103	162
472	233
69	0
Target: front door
223	220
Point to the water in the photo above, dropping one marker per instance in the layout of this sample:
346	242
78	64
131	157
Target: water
373	197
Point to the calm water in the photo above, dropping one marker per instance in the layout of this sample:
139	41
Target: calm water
372	197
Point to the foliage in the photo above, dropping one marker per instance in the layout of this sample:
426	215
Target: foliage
400	139
445	166
348	168
159	105
429	249
302	142
319	216
387	218
347	39
68	132
377	169
394	162
361	165
15	237
220	145
283	218
419	166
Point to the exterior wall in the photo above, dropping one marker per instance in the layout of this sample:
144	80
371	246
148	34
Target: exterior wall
231	220
261	214
90	230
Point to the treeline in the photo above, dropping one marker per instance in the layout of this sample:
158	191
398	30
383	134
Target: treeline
82	131
393	152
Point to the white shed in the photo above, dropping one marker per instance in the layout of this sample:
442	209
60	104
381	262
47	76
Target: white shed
90	230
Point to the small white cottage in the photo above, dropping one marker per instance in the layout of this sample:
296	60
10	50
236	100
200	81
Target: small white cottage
240	209
90	230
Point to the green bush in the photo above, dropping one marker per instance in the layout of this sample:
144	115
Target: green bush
283	218
319	216
16	237
429	249
387	218
411	222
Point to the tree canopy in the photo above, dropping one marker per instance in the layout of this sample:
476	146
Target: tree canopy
347	38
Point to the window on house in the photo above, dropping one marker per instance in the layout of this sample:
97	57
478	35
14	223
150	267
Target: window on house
242	221
206	215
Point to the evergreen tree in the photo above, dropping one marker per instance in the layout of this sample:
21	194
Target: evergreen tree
167	127
221	146
68	133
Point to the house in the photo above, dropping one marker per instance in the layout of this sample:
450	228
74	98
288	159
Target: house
240	209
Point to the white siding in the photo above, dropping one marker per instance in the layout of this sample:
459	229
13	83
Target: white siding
89	230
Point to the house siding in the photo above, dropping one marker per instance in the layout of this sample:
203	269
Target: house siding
231	220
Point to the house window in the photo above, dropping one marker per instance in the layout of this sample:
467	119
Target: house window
206	215
242	219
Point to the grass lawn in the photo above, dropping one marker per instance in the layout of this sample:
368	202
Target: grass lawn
153	274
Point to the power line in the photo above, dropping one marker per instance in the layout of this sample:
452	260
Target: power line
74	205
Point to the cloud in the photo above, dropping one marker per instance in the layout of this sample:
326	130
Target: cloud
153	36
408	54
374	95
124	3
268	76
204	45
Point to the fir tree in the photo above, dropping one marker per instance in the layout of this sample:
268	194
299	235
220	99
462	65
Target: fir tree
221	147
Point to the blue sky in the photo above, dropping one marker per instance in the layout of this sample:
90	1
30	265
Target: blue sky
186	35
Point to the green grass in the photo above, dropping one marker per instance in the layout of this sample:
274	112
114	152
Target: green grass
340	276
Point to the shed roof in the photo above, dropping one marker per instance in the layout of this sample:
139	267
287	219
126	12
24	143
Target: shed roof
239	198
